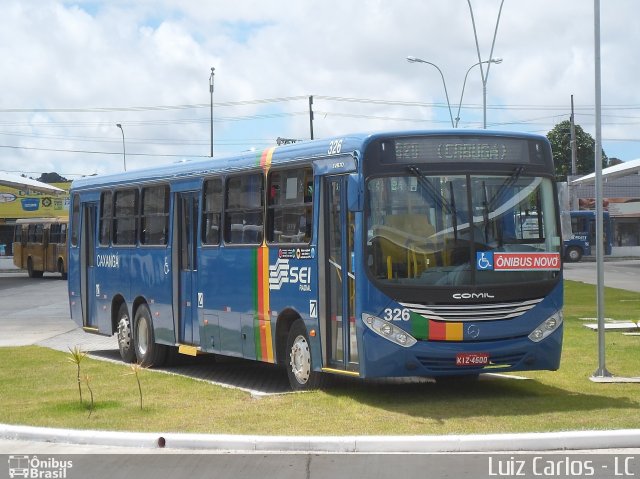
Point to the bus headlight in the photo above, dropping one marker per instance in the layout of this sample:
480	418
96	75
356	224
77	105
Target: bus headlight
547	327
388	331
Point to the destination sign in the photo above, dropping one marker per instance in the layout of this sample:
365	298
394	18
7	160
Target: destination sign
462	149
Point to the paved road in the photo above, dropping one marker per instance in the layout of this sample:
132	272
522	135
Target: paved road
36	311
622	274
32	309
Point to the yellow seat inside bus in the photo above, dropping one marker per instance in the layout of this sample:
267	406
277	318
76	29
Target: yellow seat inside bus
402	239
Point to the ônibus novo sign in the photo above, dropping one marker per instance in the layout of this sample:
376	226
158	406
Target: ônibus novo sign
500	261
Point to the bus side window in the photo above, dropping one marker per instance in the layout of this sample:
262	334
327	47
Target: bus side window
125	217
244	216
106	218
290	206
39	233
54	233
154	219
63	233
75	219
212	211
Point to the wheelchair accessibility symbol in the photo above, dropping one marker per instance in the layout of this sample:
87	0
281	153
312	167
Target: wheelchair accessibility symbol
484	260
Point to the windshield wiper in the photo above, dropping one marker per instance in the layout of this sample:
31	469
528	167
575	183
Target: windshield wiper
510	181
441	201
454	219
485	212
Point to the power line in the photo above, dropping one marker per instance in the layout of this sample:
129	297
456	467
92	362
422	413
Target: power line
152	108
92	152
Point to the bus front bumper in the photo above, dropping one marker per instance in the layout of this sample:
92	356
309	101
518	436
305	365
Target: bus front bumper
382	358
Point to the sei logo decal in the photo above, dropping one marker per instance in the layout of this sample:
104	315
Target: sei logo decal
282	273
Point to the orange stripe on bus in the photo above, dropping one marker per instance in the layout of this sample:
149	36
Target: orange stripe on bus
265	160
264	316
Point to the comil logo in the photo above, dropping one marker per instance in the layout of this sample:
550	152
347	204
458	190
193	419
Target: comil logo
33	467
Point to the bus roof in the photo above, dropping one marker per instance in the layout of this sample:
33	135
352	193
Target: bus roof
308	149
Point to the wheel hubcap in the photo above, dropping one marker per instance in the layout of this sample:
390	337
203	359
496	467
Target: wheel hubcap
142	337
124	333
300	359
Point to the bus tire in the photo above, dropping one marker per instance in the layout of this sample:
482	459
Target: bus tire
125	335
573	254
32	273
149	353
61	270
299	366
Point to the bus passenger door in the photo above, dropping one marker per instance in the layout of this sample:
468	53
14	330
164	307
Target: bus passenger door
188	331
90	291
340	341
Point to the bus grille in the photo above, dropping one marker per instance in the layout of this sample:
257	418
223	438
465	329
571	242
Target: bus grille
473	312
443	365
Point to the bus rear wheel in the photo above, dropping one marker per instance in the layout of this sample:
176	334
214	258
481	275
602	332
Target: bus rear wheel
33	273
299	366
125	341
147	351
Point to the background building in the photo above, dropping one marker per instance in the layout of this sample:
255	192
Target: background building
17	203
621	197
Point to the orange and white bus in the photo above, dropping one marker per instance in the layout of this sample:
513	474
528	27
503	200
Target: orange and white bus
40	246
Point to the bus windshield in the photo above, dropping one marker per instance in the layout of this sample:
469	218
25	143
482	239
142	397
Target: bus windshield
436	230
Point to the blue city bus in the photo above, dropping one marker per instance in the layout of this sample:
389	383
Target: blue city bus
583	235
373	255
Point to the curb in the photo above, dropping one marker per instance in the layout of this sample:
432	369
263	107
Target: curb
553	441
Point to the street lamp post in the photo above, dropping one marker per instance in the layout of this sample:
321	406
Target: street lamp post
124	151
483	74
412	59
211	93
493	60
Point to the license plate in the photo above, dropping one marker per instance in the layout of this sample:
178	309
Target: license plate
472	359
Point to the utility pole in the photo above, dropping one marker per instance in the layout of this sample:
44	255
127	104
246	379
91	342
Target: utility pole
211	93
311	115
574	145
602	371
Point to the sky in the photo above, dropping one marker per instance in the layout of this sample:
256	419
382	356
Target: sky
73	70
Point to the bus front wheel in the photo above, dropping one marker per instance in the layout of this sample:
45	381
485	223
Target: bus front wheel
147	351
573	254
299	366
125	341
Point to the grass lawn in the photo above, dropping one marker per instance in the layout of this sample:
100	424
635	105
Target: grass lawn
38	387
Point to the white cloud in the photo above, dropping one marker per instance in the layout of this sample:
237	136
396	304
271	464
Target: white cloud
116	54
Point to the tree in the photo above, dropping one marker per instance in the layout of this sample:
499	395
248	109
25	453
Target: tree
560	138
52	178
614	162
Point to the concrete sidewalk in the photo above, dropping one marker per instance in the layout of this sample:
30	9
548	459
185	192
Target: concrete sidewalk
555	441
